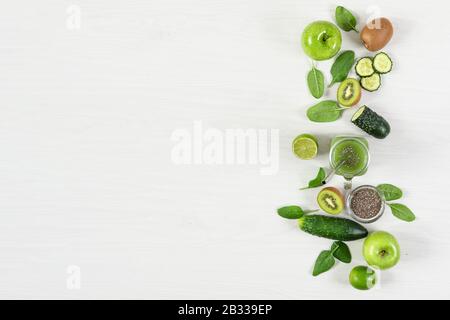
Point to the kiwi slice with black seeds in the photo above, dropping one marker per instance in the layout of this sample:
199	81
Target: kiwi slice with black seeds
331	200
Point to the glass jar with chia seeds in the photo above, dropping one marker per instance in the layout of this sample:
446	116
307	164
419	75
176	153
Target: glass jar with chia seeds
365	204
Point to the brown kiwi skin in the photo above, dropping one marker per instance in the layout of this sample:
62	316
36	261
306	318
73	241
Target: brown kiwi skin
358	98
336	192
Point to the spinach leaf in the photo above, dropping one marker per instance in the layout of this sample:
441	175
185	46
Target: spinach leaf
341	251
342	66
390	191
324	111
293	212
317	181
345	19
316	82
325	261
402	212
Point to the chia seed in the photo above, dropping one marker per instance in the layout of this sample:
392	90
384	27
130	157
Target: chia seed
366	203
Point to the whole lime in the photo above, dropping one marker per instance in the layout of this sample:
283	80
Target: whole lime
363	278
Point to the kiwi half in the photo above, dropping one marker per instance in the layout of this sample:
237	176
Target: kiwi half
349	92
331	200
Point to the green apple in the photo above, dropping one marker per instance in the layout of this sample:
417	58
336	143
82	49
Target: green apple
321	40
363	278
381	250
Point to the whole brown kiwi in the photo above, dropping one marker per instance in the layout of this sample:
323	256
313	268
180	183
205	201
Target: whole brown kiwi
377	33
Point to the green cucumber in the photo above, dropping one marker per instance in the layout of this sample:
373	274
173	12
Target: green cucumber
332	228
371	122
371	83
382	63
364	67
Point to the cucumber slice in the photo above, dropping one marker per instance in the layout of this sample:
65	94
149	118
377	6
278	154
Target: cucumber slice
371	122
371	83
364	67
382	63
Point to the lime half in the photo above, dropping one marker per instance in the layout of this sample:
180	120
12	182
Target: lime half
305	146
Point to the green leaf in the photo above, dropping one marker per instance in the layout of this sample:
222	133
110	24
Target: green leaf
341	251
345	19
402	212
324	111
316	82
342	66
325	261
317	181
390	191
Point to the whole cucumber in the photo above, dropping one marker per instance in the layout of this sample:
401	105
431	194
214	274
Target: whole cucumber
332	228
